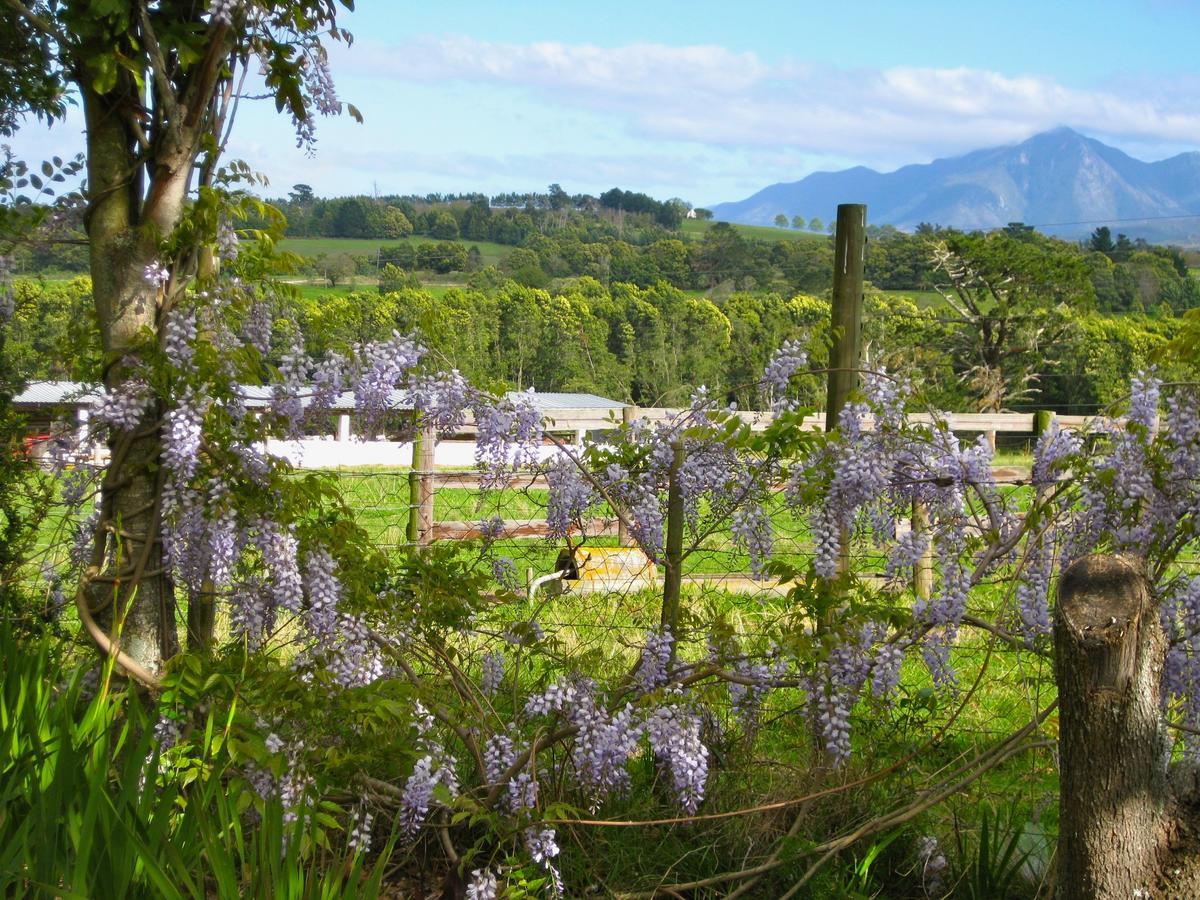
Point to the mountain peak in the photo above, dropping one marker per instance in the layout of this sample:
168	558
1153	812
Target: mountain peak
1058	175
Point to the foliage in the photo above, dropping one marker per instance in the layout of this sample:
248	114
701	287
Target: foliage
100	801
424	684
1014	301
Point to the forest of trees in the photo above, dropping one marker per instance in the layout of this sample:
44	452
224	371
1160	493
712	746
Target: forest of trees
650	345
630	238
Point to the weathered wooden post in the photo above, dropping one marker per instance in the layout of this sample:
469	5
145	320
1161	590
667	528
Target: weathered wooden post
923	570
629	414
1043	419
420	486
849	260
673	578
1113	750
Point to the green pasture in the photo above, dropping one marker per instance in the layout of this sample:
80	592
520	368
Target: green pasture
695	229
312	247
924	299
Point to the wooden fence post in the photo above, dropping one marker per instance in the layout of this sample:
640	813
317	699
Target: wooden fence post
628	415
420	486
1113	750
849	259
923	570
845	313
1042	420
673	578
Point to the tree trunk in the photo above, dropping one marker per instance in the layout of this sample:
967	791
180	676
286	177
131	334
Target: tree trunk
140	611
1113	750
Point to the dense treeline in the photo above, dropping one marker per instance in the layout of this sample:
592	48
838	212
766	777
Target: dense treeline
504	219
651	345
656	345
1142	278
627	237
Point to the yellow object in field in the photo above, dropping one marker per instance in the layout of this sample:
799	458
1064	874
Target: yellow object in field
606	569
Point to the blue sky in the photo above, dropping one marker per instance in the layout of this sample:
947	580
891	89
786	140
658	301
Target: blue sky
711	101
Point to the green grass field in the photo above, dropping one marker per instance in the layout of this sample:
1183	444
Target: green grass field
923	299
695	228
310	247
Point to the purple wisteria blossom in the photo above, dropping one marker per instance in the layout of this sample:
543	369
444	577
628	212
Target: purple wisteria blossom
674	735
417	798
181	436
571	497
785	362
380	367
652	668
180	337
124	406
156	274
483	885
493	672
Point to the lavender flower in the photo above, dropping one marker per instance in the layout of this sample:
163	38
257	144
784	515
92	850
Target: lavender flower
1033	590
785	362
604	746
483	885
156	274
180	337
542	845
570	497
933	865
324	592
441	399
227	238
319	81
509	434
504	570
221	11
885	670
256	329
252	612
286	394
493	672
1053	447
352	657
557	697
328	377
124	406
380	367
417	797
181	437
1143	399
752	529
498	756
360	833
652	669
674	735
833	720
279	547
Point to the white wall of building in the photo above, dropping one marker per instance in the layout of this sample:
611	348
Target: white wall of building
326	453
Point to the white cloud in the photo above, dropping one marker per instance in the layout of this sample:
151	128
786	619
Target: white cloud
712	95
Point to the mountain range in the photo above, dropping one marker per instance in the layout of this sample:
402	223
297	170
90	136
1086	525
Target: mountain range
1060	181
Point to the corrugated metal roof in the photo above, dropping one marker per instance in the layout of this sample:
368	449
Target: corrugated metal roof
72	393
56	393
555	400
